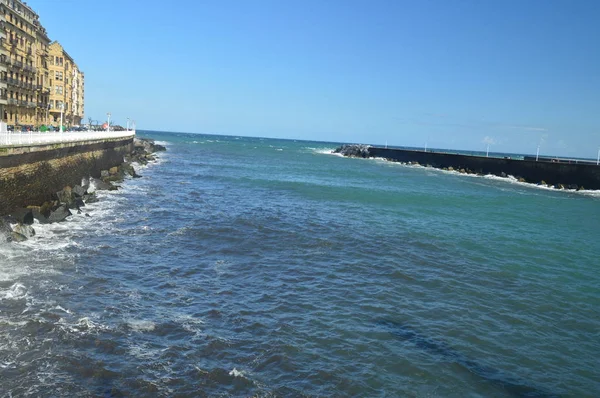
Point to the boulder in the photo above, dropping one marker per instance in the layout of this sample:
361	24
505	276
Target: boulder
450	168
65	195
17	237
521	179
113	170
22	216
353	150
104	173
90	198
26	230
77	203
5	231
503	174
78	191
59	214
100	185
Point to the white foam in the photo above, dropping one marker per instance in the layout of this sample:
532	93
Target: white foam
17	291
139	325
237	373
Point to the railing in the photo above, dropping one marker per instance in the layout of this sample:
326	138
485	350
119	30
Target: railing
12	101
37	137
31	104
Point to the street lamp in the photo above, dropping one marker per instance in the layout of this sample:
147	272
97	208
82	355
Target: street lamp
598	158
108	122
62	108
127	124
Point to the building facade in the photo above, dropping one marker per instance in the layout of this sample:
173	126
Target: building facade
37	77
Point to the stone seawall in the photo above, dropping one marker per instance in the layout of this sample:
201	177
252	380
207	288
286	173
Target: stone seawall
33	174
560	174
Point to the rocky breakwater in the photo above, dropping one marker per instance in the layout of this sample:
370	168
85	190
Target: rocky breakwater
17	226
354	150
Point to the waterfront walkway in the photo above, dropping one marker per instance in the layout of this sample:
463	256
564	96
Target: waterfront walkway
12	139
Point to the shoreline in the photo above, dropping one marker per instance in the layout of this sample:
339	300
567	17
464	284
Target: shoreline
17	224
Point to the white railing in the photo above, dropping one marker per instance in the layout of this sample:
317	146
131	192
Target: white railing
52	137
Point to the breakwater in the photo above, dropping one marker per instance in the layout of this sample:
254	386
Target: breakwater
45	182
32	174
560	174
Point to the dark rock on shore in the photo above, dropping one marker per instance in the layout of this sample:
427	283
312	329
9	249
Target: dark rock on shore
22	216
353	150
5	231
59	214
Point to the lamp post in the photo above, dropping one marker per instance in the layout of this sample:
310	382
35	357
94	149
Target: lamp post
598	158
127	124
108	122
537	154
487	151
62	108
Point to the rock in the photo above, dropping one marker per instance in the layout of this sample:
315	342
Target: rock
462	171
26	230
5	231
503	174
559	186
90	198
543	183
113	170
78	191
104	173
65	196
581	188
450	168
521	179
77	203
100	185
23	216
128	169
17	237
59	214
573	186
353	150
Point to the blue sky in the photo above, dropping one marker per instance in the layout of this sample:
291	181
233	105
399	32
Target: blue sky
449	73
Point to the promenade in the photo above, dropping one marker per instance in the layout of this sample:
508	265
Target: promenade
16	139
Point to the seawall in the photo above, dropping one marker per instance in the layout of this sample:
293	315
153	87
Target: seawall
32	174
586	175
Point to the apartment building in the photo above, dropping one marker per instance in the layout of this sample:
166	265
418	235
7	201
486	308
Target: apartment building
38	78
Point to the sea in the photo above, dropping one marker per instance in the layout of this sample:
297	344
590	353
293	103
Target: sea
255	267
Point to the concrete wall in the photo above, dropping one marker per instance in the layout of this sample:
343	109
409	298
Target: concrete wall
30	175
582	175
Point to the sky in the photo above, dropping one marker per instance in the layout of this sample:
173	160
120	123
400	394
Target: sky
454	74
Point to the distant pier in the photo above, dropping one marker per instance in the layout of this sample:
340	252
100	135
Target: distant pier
561	173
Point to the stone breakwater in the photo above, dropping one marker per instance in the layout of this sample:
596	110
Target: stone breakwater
562	174
16	224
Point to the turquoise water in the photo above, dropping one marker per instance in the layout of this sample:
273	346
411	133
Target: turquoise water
259	267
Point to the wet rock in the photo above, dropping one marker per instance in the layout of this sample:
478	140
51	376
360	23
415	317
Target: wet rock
450	168
104	173
353	150
26	230
59	214
521	179
113	171
22	216
90	198
503	174
100	185
65	195
17	237
5	231
78	191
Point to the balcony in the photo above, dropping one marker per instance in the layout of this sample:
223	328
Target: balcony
13	101
23	103
31	104
39	87
18	64
41	105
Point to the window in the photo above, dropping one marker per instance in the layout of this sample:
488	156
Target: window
58	89
51	104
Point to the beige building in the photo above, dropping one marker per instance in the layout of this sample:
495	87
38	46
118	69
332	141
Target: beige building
66	87
37	78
